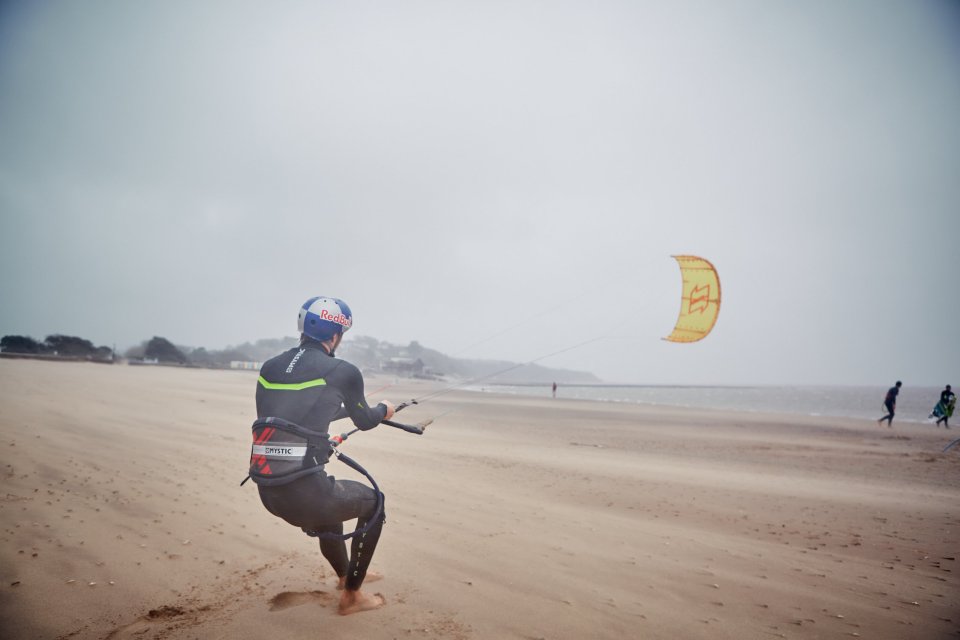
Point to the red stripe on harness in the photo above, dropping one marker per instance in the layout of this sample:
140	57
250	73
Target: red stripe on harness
261	461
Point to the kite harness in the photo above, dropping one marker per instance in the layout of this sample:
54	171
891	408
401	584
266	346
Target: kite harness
283	451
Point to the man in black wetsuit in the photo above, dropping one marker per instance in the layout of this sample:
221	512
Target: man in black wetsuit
890	402
309	387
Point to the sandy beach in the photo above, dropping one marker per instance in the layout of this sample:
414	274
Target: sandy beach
122	516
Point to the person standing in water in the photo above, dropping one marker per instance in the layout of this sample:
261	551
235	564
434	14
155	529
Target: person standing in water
299	393
890	402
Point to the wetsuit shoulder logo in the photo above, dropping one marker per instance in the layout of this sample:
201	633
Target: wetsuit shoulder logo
293	362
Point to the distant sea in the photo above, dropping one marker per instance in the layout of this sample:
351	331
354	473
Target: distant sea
913	405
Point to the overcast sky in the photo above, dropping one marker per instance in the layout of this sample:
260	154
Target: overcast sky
514	174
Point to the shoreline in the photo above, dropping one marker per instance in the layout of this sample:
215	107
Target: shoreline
508	387
781	400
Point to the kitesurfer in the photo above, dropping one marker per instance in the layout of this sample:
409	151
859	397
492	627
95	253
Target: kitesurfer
944	408
309	387
890	402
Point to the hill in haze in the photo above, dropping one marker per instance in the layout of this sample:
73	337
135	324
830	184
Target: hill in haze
415	360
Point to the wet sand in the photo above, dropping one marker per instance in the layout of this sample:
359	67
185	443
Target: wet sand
122	516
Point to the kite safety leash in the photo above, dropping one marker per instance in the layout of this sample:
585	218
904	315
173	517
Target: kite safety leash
335	442
296	442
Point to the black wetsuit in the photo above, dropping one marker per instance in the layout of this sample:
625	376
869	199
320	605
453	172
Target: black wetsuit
945	396
318	502
890	402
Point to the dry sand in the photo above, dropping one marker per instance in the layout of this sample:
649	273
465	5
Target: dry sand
122	517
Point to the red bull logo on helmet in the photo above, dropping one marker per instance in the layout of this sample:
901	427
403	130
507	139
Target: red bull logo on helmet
339	318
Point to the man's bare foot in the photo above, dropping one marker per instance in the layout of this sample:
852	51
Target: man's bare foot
372	576
357	601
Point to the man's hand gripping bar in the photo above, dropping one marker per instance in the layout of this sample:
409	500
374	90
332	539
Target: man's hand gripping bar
409	428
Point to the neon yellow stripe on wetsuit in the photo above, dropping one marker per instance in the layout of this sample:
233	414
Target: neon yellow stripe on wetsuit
296	386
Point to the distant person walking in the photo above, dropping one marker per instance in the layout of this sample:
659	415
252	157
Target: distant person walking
890	402
944	408
554	389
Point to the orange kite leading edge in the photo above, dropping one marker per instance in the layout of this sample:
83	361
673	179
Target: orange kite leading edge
700	304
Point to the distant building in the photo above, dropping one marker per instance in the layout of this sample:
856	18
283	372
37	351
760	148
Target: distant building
403	366
245	364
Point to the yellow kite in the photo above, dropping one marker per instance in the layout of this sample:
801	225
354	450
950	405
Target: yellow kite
700	304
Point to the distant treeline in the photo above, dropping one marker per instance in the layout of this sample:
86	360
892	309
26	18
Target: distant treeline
57	346
156	349
369	354
162	350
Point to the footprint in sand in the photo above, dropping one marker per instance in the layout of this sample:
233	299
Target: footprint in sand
289	599
160	617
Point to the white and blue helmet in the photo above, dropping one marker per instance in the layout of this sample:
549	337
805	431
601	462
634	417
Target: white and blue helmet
321	318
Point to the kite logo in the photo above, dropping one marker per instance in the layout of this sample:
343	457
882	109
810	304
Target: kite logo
699	298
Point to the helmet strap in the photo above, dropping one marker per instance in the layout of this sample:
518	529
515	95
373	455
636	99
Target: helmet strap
331	345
